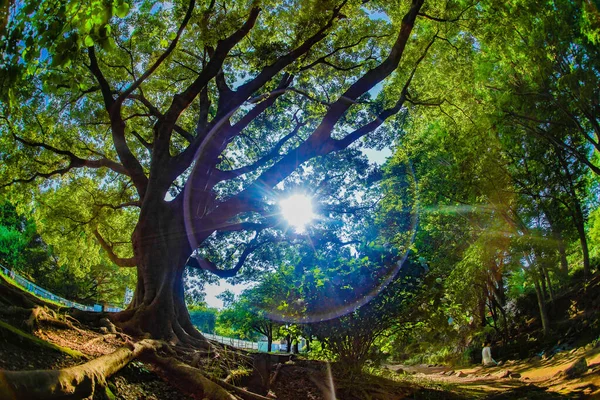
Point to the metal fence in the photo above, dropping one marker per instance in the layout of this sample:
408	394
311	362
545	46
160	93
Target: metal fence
240	344
43	293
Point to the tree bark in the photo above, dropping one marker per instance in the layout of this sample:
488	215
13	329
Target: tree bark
76	382
161	250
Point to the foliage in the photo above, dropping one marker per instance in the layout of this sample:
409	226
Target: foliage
203	317
23	249
503	146
165	135
244	321
351	337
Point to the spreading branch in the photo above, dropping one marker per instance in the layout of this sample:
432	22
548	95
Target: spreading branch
131	164
120	261
319	142
74	161
162	57
207	265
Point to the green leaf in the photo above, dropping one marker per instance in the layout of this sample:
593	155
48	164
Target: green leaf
89	42
122	10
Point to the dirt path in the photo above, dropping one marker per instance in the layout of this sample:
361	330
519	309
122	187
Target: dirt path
526	379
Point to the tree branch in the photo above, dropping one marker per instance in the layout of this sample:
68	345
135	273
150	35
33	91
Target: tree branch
121	262
319	142
162	57
154	111
385	114
183	100
224	175
75	161
132	164
323	59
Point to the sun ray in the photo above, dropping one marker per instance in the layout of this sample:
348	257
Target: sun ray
297	210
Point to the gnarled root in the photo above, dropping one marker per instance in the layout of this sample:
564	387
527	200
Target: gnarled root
187	379
45	315
77	382
244	394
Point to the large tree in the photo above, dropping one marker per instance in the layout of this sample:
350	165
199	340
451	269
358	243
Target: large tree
153	128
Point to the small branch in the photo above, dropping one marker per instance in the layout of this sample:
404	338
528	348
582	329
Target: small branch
458	17
140	139
75	161
162	57
223	175
309	96
207	265
331	53
385	114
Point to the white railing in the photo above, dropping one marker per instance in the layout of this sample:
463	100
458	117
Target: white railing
43	293
239	343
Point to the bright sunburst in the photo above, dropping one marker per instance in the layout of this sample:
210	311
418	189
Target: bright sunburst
297	211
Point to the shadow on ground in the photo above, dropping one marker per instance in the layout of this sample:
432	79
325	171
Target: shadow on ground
530	392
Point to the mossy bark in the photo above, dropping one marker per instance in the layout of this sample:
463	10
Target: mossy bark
79	382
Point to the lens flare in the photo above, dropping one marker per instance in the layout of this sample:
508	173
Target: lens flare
297	211
339	293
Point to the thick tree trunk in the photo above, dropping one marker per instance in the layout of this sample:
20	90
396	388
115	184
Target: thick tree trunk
269	344
158	307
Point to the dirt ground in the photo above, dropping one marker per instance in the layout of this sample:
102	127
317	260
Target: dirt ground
525	379
314	380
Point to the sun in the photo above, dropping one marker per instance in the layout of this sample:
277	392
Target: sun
297	211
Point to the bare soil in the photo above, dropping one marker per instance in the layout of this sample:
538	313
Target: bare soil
304	379
535	378
314	380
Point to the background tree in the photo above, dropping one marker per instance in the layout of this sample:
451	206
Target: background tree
503	147
203	317
246	321
23	250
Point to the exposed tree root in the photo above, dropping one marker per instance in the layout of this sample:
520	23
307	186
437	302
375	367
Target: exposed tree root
109	326
47	316
100	339
188	379
275	375
79	382
244	394
82	381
